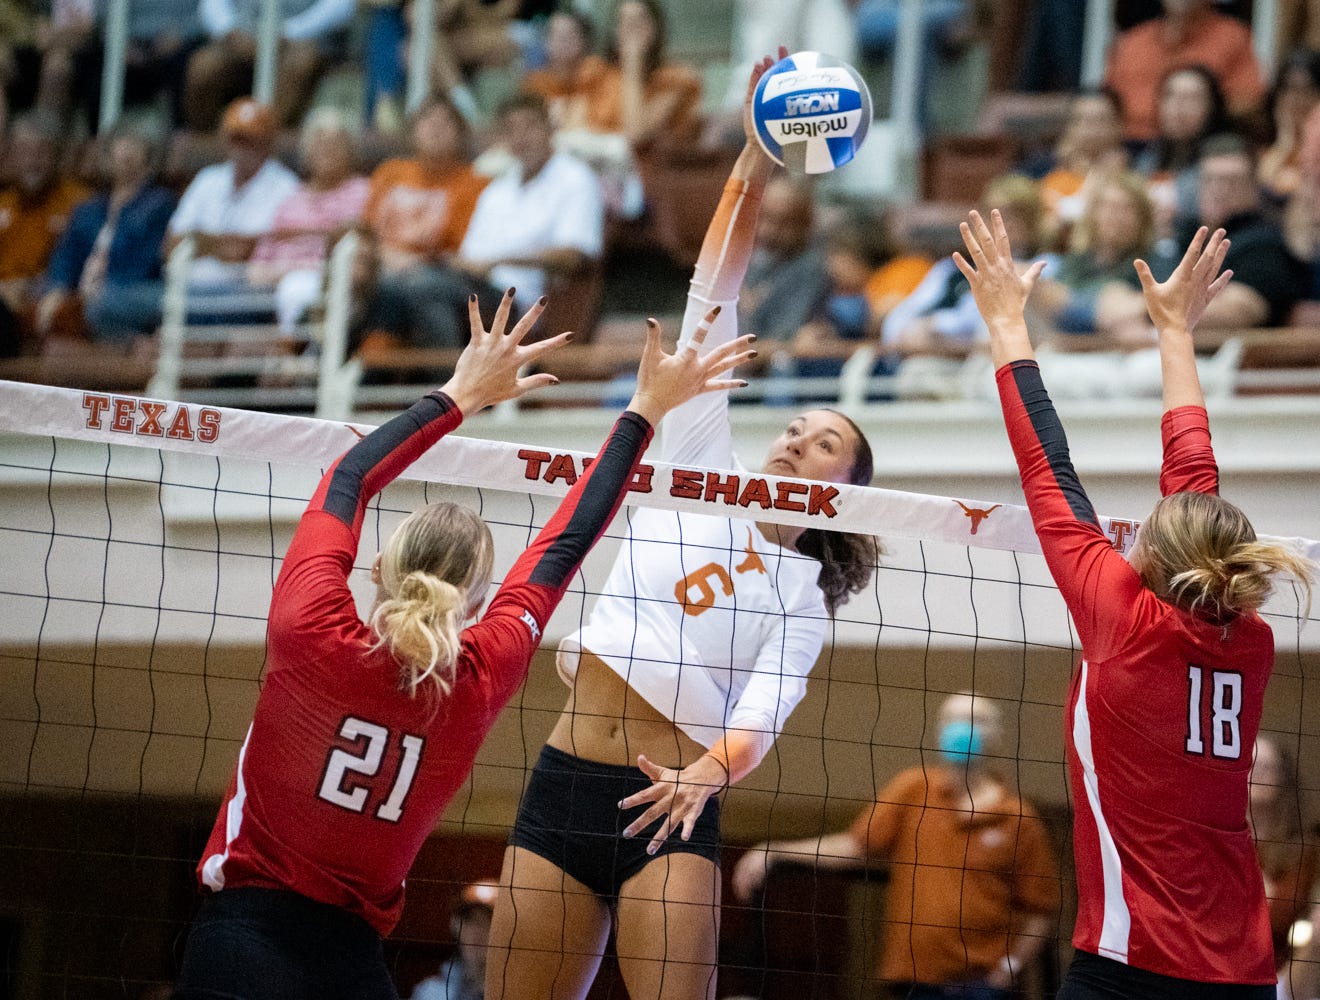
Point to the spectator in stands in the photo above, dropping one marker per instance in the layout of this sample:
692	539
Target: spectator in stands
1090	148
946	26
1267	280
48	57
230	205
1118	227
1287	860
1191	110
787	281
1298	25
108	262
162	36
1190	33
869	274
418	210
291	257
463	977
35	205
569	39
542	219
637	105
973	889
311	31
761	26
1295	95
940	316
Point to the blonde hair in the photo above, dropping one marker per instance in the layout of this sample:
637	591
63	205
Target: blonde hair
1019	194
1200	553
1134	186
434	570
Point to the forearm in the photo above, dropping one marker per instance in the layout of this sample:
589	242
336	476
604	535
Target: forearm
829	852
1009	342
731	235
1182	384
375	461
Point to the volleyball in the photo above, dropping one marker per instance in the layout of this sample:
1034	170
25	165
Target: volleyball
812	112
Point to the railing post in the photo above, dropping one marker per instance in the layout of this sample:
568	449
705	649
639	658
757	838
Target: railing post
334	387
112	67
174	318
268	44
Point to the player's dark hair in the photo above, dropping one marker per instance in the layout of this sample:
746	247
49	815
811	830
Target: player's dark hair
1200	553
847	561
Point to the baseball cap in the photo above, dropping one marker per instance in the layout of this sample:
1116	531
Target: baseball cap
478	894
247	118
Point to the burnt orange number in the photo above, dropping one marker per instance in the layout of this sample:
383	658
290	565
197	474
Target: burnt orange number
705	596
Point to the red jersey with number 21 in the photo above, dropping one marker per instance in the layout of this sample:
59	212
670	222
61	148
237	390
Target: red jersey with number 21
1162	719
343	775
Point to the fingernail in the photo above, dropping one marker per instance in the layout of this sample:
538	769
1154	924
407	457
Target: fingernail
542	301
509	293
554	382
650	321
752	354
620	803
716	310
568	337
472	297
651	849
751	338
742	383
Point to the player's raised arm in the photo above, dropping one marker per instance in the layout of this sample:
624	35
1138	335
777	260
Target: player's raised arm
1176	306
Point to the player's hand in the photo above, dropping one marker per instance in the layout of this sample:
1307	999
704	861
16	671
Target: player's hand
665	380
749	874
677	796
487	370
758	70
1180	302
1001	292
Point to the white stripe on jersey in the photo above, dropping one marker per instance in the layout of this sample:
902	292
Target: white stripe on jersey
1117	924
213	870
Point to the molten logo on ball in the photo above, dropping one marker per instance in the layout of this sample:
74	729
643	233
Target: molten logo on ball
811	112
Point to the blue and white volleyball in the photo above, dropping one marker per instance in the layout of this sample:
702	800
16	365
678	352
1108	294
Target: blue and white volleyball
812	112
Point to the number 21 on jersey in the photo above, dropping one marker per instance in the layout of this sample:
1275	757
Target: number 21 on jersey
344	784
1225	694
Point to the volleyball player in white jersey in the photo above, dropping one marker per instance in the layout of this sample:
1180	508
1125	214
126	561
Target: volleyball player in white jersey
695	654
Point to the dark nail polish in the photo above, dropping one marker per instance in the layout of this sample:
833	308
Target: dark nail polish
542	301
472	297
509	293
752	354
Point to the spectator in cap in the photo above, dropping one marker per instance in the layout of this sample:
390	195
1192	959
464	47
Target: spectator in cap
230	205
463	977
311	31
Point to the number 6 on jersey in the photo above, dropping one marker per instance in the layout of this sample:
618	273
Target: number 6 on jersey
1225	707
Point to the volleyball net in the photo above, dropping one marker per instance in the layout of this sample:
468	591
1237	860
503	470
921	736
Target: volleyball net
141	540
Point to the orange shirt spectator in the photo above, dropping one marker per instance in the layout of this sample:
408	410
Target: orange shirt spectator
568	41
603	86
1144	55
37	203
894	282
31	225
418	214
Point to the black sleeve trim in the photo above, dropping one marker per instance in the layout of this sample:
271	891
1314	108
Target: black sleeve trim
1053	441
608	478
346	485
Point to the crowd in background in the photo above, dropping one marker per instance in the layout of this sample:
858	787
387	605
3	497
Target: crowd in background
556	120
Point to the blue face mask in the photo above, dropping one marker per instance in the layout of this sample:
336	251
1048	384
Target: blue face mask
960	740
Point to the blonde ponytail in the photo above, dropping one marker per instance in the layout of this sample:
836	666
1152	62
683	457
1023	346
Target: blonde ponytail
1201	553
421	626
435	570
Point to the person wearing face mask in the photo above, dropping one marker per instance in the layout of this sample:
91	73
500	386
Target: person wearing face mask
973	891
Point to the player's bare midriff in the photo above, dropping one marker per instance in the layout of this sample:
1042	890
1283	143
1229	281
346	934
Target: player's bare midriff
607	721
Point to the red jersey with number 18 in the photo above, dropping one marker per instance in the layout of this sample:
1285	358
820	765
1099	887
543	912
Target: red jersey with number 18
1161	723
343	774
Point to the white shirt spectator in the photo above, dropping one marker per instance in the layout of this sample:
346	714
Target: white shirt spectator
301	20
561	208
214	206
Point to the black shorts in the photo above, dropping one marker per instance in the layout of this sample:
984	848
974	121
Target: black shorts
570	816
254	944
1093	977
